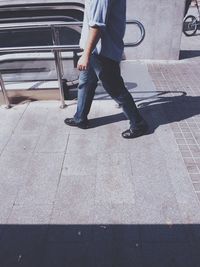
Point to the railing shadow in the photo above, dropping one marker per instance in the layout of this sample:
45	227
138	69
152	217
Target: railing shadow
100	245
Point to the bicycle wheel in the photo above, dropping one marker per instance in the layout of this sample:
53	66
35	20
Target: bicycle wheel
190	25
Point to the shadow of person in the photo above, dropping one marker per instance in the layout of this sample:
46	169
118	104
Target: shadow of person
166	110
157	111
96	122
130	85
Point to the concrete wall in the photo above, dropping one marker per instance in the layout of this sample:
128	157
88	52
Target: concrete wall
162	20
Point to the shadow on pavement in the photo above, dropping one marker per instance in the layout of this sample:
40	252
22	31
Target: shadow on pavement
100	93
21	99
166	110
106	120
175	108
100	245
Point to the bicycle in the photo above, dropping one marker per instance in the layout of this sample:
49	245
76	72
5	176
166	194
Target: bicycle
191	23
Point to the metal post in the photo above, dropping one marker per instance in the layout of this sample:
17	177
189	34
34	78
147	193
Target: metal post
59	67
75	58
5	96
57	42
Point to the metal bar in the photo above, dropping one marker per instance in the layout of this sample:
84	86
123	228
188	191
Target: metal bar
41	7
71	24
57	42
59	68
37	25
142	31
5	96
75	59
198	8
36	19
66	48
59	75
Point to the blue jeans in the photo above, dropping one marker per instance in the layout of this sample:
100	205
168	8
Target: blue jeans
108	72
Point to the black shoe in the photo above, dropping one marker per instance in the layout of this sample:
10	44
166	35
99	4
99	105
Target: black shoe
139	130
82	124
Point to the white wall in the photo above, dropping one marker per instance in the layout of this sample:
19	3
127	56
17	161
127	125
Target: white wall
162	20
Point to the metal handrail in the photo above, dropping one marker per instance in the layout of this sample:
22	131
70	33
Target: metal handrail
36	25
41	6
142	31
74	23
47	48
35	19
56	48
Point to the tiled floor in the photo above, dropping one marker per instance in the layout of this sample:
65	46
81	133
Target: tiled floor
181	82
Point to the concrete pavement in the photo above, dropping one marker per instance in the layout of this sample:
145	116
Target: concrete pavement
73	197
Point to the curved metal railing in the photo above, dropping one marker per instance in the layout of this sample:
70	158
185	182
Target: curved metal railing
142	33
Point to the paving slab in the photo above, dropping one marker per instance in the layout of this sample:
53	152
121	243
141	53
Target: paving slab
13	166
80	164
33	119
74	203
11	118
21	143
41	179
5	210
114	181
29	215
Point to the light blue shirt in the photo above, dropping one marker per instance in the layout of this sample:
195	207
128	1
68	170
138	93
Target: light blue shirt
110	16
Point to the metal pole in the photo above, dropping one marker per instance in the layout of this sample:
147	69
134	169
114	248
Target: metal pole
142	31
57	42
59	67
75	58
67	48
5	96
